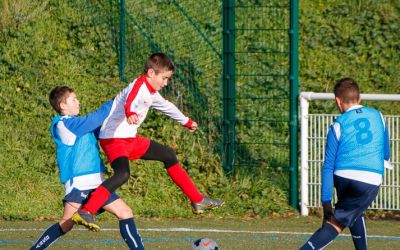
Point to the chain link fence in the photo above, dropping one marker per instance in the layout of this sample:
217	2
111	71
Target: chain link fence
191	32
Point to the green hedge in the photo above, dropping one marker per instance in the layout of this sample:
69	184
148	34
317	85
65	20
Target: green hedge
57	42
360	39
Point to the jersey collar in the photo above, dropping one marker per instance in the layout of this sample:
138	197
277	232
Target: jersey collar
149	87
354	107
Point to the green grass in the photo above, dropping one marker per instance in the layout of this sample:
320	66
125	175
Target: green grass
230	233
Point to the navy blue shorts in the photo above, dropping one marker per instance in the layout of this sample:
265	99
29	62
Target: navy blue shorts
82	196
354	197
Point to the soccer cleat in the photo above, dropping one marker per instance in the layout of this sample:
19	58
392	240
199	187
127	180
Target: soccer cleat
206	204
86	219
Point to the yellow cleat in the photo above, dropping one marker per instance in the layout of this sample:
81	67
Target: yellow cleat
86	219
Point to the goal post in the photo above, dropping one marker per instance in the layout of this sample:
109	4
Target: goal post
314	128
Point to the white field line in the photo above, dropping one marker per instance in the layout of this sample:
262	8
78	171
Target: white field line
182	229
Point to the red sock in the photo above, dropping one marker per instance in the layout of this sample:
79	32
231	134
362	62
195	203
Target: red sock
96	200
182	179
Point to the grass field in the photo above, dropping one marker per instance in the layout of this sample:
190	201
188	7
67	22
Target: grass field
230	234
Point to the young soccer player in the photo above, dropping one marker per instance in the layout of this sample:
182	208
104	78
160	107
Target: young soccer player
81	168
357	145
121	143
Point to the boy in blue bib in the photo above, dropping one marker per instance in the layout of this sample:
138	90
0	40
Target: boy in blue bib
80	167
356	148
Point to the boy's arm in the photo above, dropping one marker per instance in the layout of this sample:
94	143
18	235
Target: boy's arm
170	110
386	150
386	141
327	173
329	165
88	123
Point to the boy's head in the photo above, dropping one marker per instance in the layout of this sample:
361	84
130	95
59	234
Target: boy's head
347	93
158	69
64	101
159	62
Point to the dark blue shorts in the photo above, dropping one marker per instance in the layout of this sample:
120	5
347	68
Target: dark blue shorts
82	196
354	197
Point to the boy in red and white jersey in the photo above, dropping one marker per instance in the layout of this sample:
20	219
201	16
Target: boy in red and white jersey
121	143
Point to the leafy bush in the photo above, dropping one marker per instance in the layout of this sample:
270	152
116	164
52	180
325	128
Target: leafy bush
72	43
359	39
49	43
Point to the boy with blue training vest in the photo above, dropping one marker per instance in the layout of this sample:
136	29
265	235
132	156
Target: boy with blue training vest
80	167
356	148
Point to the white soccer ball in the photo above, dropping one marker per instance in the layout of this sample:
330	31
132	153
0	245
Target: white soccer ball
204	244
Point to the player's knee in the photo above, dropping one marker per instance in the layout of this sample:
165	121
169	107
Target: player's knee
336	224
121	175
124	177
169	158
121	169
124	213
117	180
66	225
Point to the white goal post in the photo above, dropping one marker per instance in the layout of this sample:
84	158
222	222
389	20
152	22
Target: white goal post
314	128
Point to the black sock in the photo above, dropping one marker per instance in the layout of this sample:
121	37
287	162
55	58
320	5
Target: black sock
48	237
321	238
130	234
358	233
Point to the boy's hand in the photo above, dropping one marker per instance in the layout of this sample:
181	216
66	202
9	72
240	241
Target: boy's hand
328	211
133	119
192	127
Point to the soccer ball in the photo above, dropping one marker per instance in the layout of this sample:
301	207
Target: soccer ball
204	244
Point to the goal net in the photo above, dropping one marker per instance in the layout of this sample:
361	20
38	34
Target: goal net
314	129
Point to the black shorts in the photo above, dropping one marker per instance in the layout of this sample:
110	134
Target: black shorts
354	197
82	196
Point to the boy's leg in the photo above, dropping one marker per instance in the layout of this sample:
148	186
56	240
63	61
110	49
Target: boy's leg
130	234
102	193
48	237
98	197
59	229
127	225
321	238
354	198
118	153
166	155
359	234
159	152
85	216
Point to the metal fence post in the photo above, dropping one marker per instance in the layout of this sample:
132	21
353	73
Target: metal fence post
294	92
228	84
304	105
122	41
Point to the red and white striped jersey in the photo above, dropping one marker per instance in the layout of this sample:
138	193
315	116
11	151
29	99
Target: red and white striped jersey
137	99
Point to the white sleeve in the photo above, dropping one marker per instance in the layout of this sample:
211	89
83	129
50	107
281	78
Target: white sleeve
66	136
336	128
383	120
169	109
388	165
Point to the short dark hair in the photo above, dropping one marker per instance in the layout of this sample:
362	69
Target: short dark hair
159	62
347	90
58	95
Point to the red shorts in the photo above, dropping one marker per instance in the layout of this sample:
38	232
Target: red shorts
133	148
